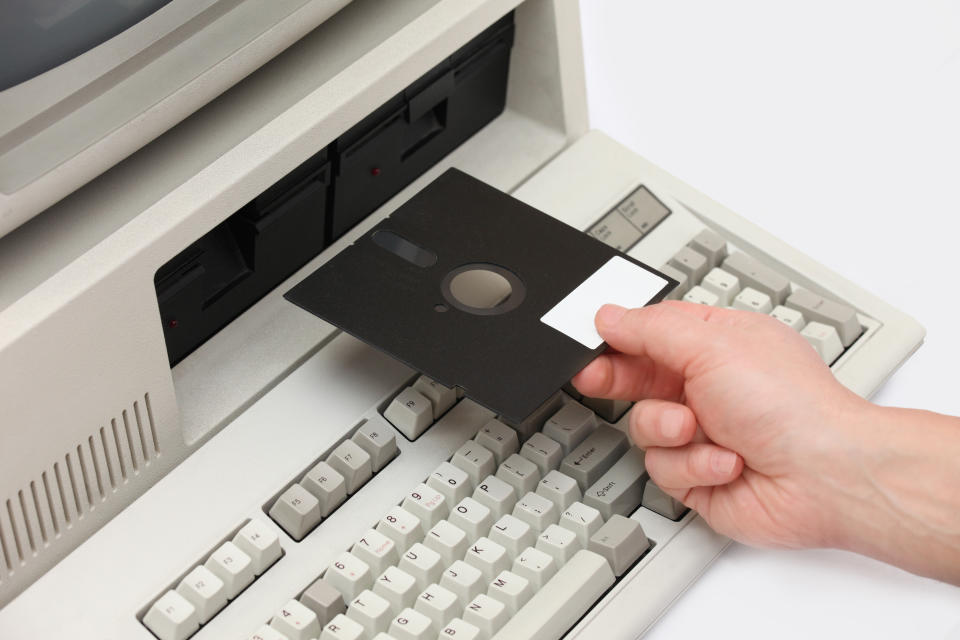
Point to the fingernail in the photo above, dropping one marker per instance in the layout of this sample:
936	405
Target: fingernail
723	462
609	315
671	423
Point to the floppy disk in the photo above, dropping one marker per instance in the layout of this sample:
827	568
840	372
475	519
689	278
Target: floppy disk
480	291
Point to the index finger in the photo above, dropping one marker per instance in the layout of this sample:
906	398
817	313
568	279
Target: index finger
675	335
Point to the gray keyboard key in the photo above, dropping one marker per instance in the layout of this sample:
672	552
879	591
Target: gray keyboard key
543	452
570	426
817	308
591	459
758	276
613	230
353	463
709	243
609	410
657	501
683	281
619	490
643	210
323	600
621	541
690	262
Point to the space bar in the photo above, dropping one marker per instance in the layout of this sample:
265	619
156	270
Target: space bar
562	601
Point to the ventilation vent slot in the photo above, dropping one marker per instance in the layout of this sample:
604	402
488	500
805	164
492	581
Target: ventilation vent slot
75	484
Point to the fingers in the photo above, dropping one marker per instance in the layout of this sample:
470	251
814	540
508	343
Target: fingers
692	465
658	423
626	377
673	335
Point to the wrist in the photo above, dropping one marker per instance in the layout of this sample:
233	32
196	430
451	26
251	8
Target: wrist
899	497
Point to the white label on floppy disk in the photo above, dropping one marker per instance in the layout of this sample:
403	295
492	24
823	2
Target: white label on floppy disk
619	282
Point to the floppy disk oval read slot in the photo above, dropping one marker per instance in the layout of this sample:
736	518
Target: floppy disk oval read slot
404	287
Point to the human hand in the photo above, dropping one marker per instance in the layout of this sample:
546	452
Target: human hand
740	419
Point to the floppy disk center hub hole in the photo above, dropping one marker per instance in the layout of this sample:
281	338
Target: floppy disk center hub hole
483	289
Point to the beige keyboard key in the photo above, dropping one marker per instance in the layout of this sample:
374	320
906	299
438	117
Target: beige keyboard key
452	481
790	317
379	441
441	398
402	527
562	601
511	589
513	534
536	510
472	516
543	452
266	632
449	540
372	612
499	439
751	273
487	614
297	511
690	262
427	504
496	495
699	295
410	412
560	543
459	629
261	543
560	489
327	485
423	563
353	463
342	628
172	617
205	591
477	461
438	604
349	575
519	473
824	339
620	489
410	624
536	566
750	299
839	316
377	550
296	621
659	502
397	587
233	566
722	284
463	579
488	556
583	520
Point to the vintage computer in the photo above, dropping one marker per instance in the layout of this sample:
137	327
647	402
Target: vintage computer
184	453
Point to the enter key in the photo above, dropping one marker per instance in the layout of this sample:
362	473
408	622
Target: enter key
591	459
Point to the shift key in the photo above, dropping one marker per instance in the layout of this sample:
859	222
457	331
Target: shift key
592	457
619	490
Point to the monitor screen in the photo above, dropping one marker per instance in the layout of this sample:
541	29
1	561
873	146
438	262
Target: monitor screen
38	35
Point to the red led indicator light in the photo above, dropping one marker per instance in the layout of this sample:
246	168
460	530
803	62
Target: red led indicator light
375	171
173	323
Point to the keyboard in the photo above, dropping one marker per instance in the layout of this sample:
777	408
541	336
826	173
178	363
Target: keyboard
359	499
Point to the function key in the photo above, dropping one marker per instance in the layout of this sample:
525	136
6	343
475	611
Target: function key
327	485
233	566
259	542
410	412
297	511
353	463
378	441
441	398
172	617
205	591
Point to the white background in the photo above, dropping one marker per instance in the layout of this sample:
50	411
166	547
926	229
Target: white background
835	126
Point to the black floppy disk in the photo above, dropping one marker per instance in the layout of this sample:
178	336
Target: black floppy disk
478	290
